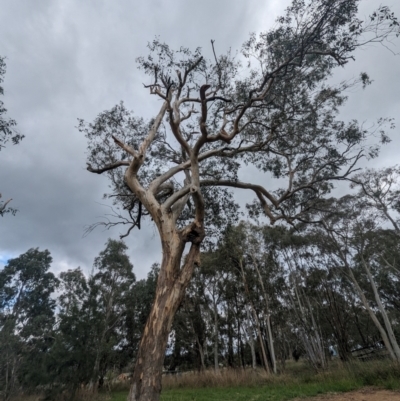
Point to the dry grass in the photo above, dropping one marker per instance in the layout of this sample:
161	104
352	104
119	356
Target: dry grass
209	378
367	373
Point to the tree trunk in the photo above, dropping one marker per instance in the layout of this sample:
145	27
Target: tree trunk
231	359
251	340
253	353
200	348
256	320
378	325
261	340
240	345
171	285
308	333
201	353
267	316
94	382
385	317
271	343
216	364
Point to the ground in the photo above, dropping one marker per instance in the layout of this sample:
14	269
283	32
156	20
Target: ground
366	394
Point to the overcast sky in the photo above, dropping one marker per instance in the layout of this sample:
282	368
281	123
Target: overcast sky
71	58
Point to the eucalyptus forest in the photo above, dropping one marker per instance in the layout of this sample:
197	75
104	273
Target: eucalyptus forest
307	272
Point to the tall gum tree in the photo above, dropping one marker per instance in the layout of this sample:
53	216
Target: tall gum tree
277	113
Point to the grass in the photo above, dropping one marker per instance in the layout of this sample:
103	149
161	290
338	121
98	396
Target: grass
297	381
264	393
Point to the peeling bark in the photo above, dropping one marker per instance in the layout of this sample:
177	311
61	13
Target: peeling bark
171	285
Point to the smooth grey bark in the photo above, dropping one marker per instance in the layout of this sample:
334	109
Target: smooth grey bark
309	335
362	296
216	363
266	315
271	343
372	315
256	320
251	341
388	325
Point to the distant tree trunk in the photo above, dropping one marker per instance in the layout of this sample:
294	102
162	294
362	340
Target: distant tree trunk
267	316
201	353
216	364
338	323
271	343
381	308
261	341
171	285
256	320
231	359
240	345
201	339
93	385
251	340
205	350
240	350
253	353
200	348
358	325
308	333
371	313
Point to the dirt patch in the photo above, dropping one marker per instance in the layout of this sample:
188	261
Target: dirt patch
367	394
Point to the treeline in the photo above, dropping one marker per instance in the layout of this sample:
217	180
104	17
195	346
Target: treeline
58	333
319	289
260	296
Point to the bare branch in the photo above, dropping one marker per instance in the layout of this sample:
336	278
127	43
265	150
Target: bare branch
108	167
3	207
126	147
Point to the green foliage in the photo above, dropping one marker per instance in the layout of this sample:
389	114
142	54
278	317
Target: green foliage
7	133
71	358
91	334
26	320
254	115
7	130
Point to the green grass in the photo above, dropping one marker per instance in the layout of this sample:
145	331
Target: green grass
297	381
265	393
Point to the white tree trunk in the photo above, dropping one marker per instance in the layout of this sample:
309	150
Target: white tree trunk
216	364
385	317
371	313
271	344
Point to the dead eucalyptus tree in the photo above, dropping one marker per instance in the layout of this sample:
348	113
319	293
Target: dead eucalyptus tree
277	113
